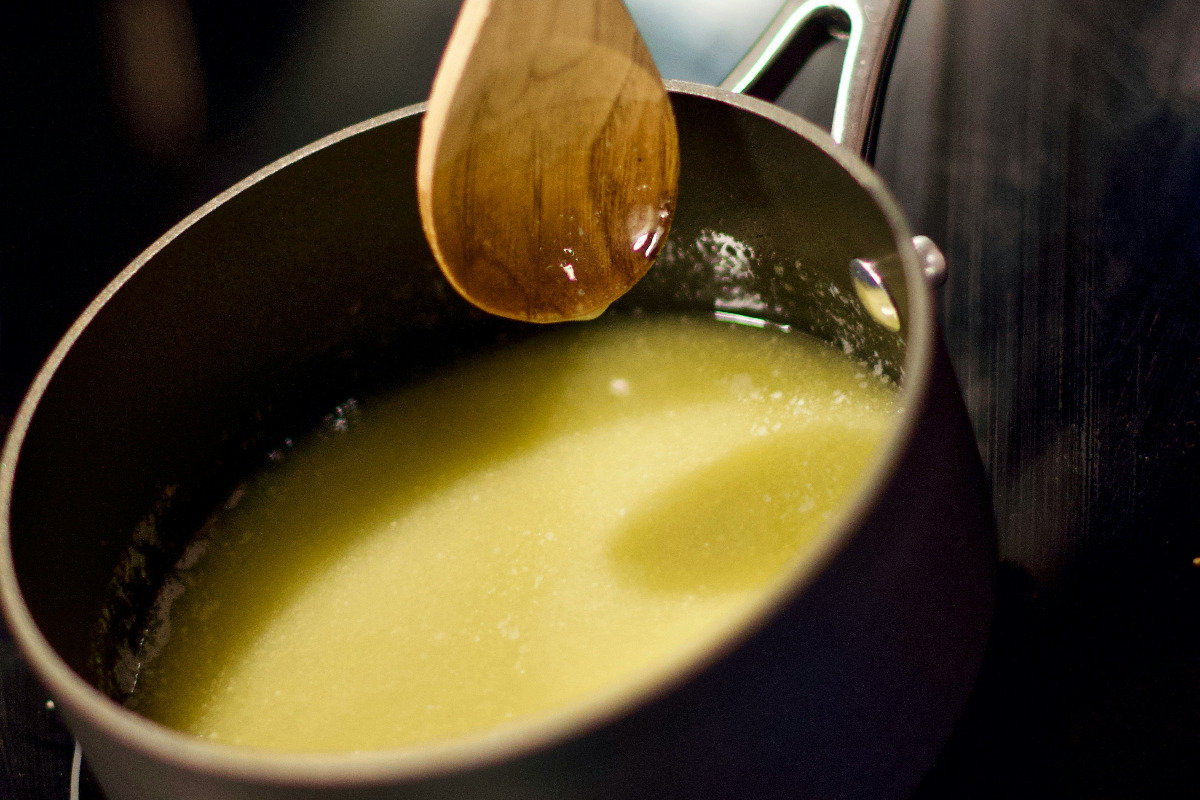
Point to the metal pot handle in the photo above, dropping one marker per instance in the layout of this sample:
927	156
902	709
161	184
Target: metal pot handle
872	28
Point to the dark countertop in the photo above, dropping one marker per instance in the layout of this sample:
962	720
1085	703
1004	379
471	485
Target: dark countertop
1051	148
1066	195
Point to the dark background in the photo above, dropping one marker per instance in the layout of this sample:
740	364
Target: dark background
1052	148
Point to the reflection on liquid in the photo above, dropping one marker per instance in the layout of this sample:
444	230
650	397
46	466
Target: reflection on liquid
734	524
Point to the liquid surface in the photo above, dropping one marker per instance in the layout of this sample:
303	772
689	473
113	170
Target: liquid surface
510	537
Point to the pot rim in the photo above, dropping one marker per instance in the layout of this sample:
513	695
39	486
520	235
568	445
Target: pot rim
76	697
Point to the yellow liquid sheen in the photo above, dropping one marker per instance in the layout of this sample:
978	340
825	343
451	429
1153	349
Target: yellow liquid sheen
513	536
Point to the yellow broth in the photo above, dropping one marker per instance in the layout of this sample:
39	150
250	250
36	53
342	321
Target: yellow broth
510	537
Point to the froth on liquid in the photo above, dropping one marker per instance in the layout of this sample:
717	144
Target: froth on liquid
511	537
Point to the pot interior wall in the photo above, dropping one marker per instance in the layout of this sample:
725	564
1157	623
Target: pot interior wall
313	285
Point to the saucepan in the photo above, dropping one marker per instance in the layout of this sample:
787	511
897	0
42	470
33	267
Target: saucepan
311	282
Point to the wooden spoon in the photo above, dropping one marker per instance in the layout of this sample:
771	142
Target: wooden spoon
549	159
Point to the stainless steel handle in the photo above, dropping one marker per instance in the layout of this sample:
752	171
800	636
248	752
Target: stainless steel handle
871	28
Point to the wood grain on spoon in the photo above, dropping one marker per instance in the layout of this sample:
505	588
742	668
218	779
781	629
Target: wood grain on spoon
548	163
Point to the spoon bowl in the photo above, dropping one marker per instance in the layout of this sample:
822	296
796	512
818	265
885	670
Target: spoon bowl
549	159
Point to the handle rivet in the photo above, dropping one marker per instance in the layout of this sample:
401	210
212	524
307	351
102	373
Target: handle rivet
876	300
933	263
